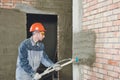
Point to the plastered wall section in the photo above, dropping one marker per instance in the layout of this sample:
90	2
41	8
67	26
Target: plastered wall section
12	32
84	47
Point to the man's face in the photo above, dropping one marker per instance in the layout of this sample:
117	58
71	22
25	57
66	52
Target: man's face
41	36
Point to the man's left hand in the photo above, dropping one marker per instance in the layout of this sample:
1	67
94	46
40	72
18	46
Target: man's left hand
37	76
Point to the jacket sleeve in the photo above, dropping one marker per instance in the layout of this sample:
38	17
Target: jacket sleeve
24	63
46	61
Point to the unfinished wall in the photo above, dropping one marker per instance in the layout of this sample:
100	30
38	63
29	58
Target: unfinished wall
103	17
12	32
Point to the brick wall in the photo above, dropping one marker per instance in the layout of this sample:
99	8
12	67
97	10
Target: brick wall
11	3
103	17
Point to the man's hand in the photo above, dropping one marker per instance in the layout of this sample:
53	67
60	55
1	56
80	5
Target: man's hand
37	76
57	67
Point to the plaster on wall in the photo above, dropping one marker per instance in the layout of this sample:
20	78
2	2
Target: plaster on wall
12	32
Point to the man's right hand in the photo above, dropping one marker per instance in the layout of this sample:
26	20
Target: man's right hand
37	76
57	67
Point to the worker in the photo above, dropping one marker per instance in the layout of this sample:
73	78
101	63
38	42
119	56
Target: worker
31	53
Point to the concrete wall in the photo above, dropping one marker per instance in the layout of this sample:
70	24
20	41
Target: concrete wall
12	32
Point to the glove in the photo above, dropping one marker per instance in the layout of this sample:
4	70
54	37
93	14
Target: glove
57	67
37	76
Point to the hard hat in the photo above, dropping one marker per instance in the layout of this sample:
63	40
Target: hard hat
37	27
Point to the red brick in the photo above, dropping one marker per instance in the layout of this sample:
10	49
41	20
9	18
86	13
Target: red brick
117	69
113	6
112	34
94	11
116	46
113	74
101	60
93	78
109	24
118	16
117	79
90	72
99	55
117	22
86	77
95	69
86	14
99	75
116	57
87	67
113	62
117	33
98	65
114	51
107	56
101	9
6	1
93	2
89	0
92	7
16	1
104	29
113	28
108	67
116	1
84	19
118	4
101	0
102	71
96	30
107	77
110	45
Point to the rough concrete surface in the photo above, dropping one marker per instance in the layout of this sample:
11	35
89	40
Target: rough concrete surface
84	47
12	32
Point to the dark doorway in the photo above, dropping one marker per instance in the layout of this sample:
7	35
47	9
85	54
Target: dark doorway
50	41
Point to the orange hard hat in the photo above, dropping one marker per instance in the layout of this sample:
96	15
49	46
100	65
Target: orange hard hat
37	27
